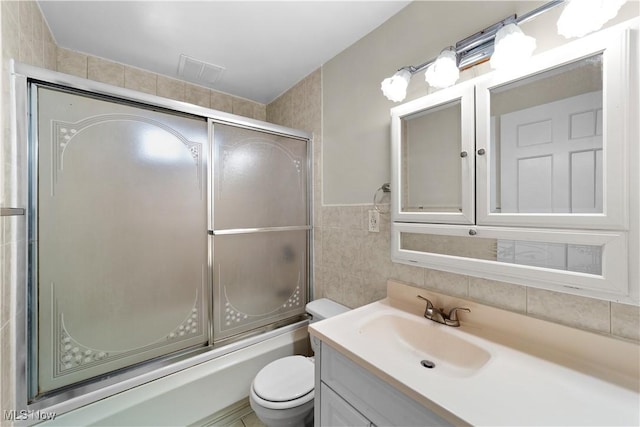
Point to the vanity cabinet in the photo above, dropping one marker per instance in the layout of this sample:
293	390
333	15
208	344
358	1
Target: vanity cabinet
527	176
349	395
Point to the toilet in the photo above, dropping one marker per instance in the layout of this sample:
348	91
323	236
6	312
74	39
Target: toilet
282	392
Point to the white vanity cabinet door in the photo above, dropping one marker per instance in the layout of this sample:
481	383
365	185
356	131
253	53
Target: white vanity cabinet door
335	411
432	159
378	401
553	140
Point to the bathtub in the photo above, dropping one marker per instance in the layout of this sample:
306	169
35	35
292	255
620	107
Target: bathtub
189	396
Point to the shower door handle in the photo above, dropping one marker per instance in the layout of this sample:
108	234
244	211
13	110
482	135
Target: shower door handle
258	230
11	211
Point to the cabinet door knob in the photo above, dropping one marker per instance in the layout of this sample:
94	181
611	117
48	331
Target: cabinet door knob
472	232
481	152
463	154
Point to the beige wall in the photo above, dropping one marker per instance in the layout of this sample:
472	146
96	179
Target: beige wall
26	38
352	265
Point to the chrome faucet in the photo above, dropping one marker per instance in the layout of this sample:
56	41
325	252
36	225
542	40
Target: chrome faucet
438	315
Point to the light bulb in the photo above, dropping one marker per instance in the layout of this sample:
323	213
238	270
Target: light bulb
395	88
581	17
512	47
444	71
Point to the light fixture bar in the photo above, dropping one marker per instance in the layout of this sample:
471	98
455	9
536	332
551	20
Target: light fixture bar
483	36
539	11
479	46
475	55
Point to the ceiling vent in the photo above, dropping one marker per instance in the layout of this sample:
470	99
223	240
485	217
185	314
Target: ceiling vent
197	71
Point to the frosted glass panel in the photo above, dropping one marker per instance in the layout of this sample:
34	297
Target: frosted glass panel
259	279
431	167
546	141
122	237
260	179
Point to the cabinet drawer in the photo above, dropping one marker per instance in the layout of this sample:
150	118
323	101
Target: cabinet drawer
381	403
336	412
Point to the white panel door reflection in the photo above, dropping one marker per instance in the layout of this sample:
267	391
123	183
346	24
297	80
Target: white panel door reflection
551	157
551	162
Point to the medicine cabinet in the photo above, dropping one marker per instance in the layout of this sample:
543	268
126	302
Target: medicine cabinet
525	176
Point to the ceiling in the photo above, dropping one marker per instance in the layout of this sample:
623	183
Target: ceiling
266	47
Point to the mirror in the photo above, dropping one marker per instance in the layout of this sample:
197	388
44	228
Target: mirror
577	258
431	169
432	161
546	141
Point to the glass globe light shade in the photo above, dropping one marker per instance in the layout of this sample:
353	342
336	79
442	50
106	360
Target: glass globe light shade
444	71
395	88
511	47
581	17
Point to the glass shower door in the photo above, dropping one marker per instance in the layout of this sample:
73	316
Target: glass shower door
118	210
260	229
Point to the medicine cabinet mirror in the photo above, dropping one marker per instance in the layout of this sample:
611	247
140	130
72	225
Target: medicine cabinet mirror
433	145
525	176
551	143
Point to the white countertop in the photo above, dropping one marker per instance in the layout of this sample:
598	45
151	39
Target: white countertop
511	388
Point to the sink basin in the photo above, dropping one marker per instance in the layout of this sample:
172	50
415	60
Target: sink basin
414	340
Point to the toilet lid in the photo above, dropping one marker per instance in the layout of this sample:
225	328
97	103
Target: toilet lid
285	379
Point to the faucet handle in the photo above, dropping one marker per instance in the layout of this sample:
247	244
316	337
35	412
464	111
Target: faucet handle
453	313
428	311
429	303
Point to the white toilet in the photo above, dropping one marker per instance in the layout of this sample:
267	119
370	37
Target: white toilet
282	392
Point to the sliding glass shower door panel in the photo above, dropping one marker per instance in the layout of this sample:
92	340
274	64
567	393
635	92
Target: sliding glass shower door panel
261	229
260	179
259	279
121	254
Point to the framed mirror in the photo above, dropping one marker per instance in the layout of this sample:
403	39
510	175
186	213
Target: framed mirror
585	263
432	158
551	143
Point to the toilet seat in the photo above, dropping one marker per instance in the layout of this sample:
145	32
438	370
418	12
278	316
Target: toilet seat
284	383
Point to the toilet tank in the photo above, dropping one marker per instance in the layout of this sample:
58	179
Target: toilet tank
324	308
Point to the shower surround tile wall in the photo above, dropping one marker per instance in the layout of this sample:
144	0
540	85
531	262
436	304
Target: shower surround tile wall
26	38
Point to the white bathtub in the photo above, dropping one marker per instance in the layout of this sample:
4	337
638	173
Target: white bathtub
192	394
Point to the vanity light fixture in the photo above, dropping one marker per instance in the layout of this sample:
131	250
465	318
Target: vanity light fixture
444	71
511	47
581	17
473	50
466	53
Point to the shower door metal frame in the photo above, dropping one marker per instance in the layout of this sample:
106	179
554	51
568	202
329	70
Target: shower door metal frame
23	137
